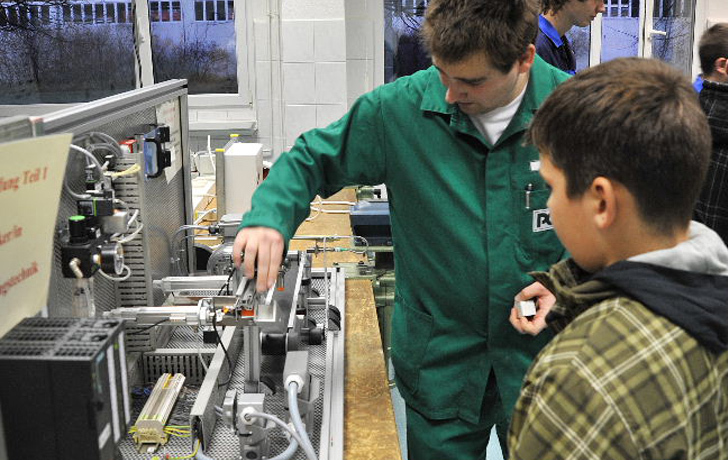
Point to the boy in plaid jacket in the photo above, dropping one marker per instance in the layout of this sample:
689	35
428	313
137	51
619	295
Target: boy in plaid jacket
638	367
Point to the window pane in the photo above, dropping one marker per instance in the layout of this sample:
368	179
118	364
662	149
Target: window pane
620	35
403	52
121	12
677	22
231	10
110	13
99	12
154	11
66	60
34	14
221	10
23	15
176	11
580	38
3	17
165	12
88	14
77	14
203	52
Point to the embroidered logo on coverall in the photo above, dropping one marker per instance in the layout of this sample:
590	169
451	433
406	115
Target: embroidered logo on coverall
542	220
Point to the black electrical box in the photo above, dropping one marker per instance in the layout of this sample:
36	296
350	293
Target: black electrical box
64	392
370	219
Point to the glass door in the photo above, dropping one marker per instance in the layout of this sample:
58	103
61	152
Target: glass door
670	35
661	29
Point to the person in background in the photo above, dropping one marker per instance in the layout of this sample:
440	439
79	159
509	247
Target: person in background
712	206
639	363
713	52
556	19
468	215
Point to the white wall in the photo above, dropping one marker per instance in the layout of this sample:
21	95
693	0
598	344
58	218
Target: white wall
717	9
313	9
313	58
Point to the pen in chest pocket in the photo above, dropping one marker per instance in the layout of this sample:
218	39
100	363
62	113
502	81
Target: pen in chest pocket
529	190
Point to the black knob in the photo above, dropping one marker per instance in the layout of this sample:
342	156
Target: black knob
77	230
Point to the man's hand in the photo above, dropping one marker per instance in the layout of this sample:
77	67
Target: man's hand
261	245
544	301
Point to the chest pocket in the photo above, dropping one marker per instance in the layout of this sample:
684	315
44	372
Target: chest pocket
538	246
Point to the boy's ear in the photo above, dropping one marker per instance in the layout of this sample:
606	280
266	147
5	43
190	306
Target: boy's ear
721	66
603	201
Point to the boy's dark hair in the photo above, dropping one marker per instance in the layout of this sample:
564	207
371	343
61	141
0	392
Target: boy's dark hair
554	5
454	30
637	122
713	45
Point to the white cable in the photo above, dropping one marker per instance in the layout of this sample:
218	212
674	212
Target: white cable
283	425
318	211
288	453
338	203
124	204
110	141
175	259
131	236
297	422
203	214
74	266
330	211
133	218
202	361
93	160
75	195
115	279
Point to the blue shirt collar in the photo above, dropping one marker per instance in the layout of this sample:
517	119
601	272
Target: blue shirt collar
549	30
698	84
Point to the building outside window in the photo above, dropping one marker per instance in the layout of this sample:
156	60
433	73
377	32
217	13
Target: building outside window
56	51
194	47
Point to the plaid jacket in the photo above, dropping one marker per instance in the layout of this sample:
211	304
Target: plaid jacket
618	382
712	206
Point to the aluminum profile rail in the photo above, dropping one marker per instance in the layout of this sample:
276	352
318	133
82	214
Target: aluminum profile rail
87	116
212	392
331	446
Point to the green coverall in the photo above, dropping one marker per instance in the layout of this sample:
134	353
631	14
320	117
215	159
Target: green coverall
469	221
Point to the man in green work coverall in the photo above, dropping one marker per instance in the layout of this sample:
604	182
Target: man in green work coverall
468	212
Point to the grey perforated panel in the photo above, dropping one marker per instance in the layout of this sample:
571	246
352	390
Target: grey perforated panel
60	294
162	211
225	444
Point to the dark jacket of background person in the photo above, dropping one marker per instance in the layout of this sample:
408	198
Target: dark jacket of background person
712	206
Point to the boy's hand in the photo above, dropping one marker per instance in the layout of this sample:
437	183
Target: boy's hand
261	245
544	301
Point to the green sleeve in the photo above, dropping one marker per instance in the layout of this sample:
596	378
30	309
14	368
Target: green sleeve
322	161
562	414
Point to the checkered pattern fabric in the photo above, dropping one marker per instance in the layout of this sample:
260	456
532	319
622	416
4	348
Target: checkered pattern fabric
619	382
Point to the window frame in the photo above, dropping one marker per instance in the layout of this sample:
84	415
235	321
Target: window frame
243	100
647	33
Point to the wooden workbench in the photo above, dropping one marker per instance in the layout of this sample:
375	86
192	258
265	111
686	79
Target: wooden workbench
370	432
